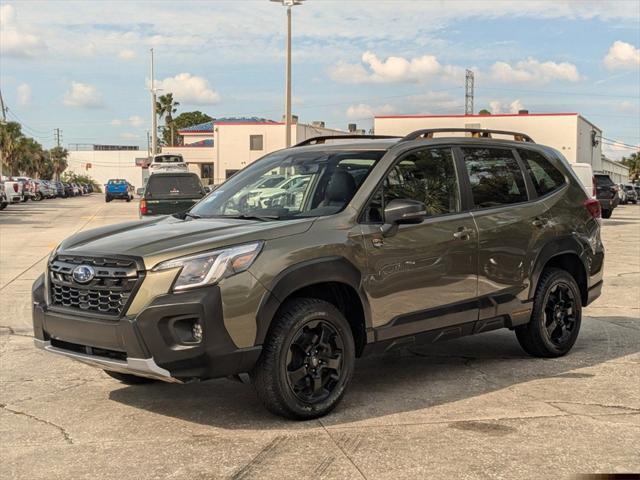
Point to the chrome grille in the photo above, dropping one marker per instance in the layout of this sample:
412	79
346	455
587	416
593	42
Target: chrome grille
108	293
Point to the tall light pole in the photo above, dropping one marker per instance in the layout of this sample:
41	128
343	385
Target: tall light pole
154	117
287	96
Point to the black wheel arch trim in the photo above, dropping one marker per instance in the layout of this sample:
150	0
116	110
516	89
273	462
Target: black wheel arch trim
554	248
304	274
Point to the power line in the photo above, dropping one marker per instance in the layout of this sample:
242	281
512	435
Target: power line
553	92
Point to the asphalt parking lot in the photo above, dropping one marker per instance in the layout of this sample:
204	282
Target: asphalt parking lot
477	407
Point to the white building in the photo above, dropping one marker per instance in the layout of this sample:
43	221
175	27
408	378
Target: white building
216	150
103	162
570	133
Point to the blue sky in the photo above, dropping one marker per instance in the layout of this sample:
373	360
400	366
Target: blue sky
83	66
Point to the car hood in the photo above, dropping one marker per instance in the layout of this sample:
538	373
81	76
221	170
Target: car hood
164	238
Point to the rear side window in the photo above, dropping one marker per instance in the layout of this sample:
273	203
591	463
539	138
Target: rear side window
173	185
496	178
546	178
603	181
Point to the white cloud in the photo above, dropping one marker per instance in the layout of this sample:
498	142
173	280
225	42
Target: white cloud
495	106
391	70
363	111
534	71
515	106
127	54
83	95
24	94
16	40
617	149
136	121
622	56
129	136
628	106
187	88
116	122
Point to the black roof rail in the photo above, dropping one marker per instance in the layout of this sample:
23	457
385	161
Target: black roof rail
323	138
481	132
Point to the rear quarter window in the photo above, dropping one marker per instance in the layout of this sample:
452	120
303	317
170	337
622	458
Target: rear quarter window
545	177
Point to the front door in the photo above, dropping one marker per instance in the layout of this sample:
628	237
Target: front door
421	276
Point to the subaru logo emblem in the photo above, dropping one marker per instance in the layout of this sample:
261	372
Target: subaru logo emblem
83	273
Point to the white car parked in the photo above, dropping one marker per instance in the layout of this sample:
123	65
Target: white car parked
168	162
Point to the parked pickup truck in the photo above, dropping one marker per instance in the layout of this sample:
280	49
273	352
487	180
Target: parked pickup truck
13	189
118	188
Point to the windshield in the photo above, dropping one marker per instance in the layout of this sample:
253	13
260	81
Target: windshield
289	184
173	185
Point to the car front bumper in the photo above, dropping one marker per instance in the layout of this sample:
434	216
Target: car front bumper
152	343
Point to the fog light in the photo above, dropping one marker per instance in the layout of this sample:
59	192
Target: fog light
196	331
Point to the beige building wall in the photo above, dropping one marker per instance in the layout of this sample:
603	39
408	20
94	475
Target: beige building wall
568	133
107	164
232	145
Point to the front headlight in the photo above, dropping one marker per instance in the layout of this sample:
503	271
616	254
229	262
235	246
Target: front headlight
210	267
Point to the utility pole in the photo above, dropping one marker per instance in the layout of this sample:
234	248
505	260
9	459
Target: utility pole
57	135
468	92
3	112
154	117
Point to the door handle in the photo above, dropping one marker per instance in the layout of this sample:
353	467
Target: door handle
463	233
540	222
377	242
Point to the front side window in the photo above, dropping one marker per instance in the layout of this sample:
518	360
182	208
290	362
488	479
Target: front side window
545	177
495	176
255	142
428	176
290	184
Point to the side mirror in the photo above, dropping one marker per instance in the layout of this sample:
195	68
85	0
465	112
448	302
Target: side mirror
404	211
140	192
207	189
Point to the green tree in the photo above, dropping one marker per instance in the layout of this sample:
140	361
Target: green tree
633	162
189	119
58	157
166	107
10	146
484	111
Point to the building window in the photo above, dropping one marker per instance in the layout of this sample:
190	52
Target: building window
255	142
206	171
230	173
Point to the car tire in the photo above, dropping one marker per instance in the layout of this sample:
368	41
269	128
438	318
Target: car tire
24	199
38	197
556	317
606	213
129	379
3	205
107	198
128	199
307	360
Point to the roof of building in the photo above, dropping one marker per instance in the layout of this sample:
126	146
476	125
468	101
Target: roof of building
207	127
481	115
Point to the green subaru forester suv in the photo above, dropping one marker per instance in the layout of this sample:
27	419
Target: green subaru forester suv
380	243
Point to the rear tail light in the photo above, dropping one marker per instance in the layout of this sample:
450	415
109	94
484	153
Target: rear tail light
593	179
15	187
593	207
143	207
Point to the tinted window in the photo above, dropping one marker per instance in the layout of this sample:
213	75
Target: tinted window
496	178
173	185
117	182
603	181
168	159
428	176
255	142
546	178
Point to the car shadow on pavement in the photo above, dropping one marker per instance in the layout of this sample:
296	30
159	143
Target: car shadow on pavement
410	379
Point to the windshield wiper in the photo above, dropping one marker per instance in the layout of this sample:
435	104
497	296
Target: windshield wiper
192	215
262	218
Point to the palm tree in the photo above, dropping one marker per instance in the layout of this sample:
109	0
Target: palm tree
166	107
10	142
58	157
633	162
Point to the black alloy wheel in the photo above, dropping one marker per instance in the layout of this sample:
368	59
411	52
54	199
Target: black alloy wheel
314	361
559	312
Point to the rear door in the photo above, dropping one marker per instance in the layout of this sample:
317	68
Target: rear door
166	194
513	225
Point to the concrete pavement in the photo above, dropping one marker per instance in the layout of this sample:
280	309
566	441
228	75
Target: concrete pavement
477	407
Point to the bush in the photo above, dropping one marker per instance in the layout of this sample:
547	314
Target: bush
75	178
